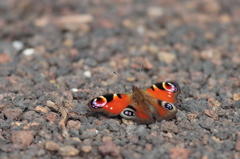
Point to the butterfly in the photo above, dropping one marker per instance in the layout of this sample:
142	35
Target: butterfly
147	105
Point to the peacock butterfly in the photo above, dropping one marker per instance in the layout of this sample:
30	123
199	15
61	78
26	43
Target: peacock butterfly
142	105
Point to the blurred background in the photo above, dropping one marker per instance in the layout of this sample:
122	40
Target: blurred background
70	49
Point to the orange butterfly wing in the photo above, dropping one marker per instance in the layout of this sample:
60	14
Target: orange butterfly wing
143	106
164	91
163	96
111	104
139	113
120	104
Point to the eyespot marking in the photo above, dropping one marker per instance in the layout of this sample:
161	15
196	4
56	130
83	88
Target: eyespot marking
168	106
98	102
169	86
128	113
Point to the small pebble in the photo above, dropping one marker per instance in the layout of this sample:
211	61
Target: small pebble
141	131
12	113
105	138
41	109
28	52
155	12
32	126
41	152
22	138
113	125
74	89
4	58
127	122
166	57
237	146
74	125
18	45
140	30
182	153
76	19
87	74
68	151
51	117
236	96
51	146
86	149
109	148
170	127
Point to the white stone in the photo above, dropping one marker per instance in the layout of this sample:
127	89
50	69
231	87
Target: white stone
87	74
140	30
155	12
28	51
18	45
74	89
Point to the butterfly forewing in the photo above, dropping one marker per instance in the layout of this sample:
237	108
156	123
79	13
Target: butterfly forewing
111	104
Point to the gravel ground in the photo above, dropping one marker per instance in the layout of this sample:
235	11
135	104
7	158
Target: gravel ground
57	55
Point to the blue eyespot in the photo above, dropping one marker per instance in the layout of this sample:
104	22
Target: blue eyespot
129	113
168	106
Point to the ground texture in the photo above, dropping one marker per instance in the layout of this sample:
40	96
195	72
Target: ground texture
57	55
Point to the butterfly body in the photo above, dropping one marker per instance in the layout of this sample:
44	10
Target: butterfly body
142	105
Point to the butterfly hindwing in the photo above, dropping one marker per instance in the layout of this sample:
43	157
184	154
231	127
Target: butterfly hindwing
136	113
162	97
163	109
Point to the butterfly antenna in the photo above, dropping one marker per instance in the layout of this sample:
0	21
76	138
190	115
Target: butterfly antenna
140	70
122	79
119	77
139	73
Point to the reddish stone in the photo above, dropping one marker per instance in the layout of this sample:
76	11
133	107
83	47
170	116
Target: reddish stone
109	148
12	113
86	148
74	125
179	153
170	127
4	58
22	138
237	146
68	150
211	114
51	146
51	117
236	96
